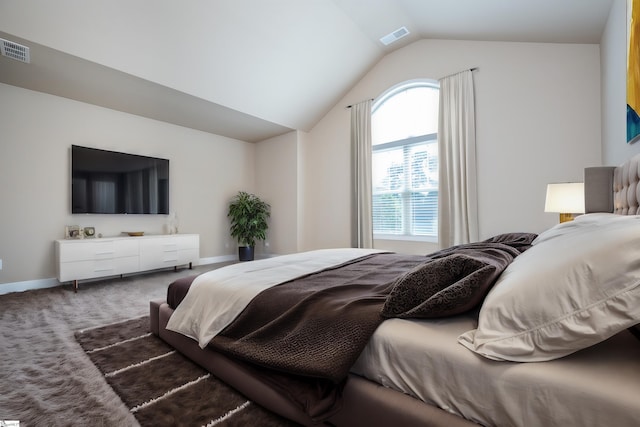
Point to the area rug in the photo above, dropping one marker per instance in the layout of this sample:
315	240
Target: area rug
163	388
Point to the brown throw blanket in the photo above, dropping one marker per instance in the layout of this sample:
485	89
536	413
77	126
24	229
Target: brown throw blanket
313	329
318	325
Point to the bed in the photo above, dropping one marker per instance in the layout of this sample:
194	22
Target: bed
516	332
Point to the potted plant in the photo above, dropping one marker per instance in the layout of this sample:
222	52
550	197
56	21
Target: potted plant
248	214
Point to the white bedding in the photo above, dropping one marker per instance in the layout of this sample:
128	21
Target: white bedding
579	284
216	298
598	386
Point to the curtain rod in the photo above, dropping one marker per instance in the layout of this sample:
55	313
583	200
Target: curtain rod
349	106
449	75
469	69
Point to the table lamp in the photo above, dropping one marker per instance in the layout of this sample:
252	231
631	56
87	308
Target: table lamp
566	198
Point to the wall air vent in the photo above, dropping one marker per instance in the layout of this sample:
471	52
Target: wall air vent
394	36
14	50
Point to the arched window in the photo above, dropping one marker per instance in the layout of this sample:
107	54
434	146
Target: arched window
404	126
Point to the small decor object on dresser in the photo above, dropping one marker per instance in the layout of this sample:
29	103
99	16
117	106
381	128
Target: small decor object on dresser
171	227
89	232
72	232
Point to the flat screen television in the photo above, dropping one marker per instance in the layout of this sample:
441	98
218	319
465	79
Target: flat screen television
109	182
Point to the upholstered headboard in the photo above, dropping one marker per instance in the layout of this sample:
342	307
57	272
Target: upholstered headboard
613	189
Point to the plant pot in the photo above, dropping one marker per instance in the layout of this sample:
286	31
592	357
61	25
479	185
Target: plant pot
245	253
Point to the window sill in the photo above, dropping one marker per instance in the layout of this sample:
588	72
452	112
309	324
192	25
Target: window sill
429	239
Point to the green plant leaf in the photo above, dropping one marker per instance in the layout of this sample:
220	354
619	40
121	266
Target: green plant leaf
249	215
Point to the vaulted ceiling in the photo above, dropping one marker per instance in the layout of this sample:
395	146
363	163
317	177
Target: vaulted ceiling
251	69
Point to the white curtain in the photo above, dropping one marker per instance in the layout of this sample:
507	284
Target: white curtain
458	195
361	216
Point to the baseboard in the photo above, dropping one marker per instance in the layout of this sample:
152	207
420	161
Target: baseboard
28	285
216	259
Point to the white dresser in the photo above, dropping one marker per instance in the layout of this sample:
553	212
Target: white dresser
92	258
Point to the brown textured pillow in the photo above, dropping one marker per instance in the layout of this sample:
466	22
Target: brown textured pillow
442	287
635	330
520	241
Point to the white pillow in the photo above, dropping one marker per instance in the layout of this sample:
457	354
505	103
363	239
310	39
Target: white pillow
577	285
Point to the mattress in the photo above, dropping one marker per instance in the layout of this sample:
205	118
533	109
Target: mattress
593	387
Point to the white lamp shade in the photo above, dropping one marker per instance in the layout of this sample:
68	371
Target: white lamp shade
566	197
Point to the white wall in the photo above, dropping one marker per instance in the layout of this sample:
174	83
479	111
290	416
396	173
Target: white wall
277	184
538	121
613	45
37	132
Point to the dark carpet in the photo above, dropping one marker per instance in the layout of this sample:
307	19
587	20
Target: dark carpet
160	387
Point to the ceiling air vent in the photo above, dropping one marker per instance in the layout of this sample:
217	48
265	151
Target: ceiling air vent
394	36
14	50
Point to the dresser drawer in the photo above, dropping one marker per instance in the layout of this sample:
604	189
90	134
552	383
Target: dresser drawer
88	269
92	258
85	250
127	248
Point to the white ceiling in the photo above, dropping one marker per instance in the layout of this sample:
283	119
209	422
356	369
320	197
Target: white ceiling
251	69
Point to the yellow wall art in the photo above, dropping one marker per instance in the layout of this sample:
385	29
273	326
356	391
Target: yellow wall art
633	71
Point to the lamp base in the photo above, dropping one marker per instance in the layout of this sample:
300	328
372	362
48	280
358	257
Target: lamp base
564	217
